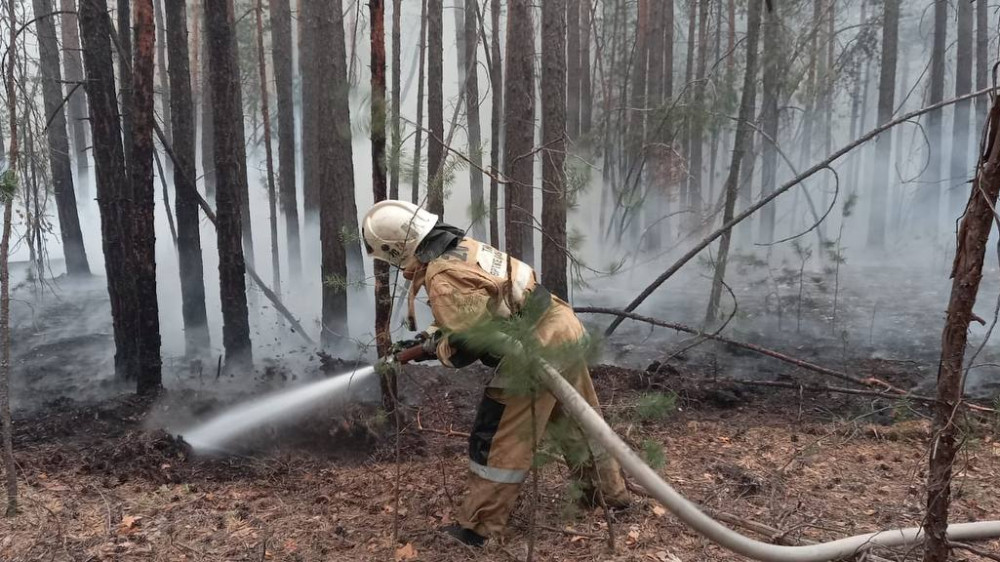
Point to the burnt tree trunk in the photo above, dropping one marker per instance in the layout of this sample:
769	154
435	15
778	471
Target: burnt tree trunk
886	106
966	274
114	193
773	68
959	169
554	201
196	335
281	52
744	136
383	300
161	67
435	108
76	105
397	141
229	152
141	173
58	142
496	122
418	137
572	69
519	119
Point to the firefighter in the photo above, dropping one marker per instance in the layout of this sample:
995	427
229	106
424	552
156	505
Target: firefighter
468	283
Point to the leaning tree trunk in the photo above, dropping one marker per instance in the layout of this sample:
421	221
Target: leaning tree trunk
383	300
196	335
496	122
58	142
744	132
76	105
519	118
114	193
7	176
886	106
554	201
281	51
966	274
272	198
418	137
141	173
229	152
435	108
959	169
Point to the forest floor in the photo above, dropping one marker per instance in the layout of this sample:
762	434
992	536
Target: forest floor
102	480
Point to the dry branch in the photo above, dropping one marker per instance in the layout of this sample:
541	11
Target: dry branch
787	186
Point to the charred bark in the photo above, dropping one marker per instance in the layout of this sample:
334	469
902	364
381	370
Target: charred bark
435	108
886	106
281	52
76	105
196	335
58	142
519	118
230	170
554	200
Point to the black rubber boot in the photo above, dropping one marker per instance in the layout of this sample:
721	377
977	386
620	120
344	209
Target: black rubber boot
465	536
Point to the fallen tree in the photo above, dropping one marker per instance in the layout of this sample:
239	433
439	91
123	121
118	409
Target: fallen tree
771	197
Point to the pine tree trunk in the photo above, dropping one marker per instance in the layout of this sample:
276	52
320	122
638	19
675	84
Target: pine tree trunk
773	72
983	62
418	137
207	119
519	118
655	189
474	131
586	94
689	126
141	174
124	30
338	210
573	8
240	131
886	106
744	135
309	70
265	110
58	142
397	141
929	196
196	335
966	274
959	169
637	126
554	105
10	468
229	152
496	122
281	52
161	66
383	300
114	193
435	108
76	105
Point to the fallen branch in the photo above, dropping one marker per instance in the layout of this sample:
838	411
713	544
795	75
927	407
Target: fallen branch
787	186
974	550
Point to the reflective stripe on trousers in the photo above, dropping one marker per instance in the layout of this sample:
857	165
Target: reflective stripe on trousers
498	475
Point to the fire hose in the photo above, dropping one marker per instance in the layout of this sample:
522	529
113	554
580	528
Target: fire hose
600	432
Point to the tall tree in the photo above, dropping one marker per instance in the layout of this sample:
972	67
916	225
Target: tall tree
114	193
383	300
418	137
496	121
554	197
309	70
161	66
196	335
653	208
435	107
125	72
147	334
519	118
744	134
637	116
982	62
281	52
886	106
338	210
929	197
573	68
470	77
689	197
265	110
207	119
229	152
8	175
959	169
773	68
586	99
396	148
58	142
76	104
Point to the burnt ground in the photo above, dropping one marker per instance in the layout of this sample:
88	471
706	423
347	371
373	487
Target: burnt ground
102	480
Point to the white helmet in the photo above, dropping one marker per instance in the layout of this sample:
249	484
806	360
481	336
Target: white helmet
393	229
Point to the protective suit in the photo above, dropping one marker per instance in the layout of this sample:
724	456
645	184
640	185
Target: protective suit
471	286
